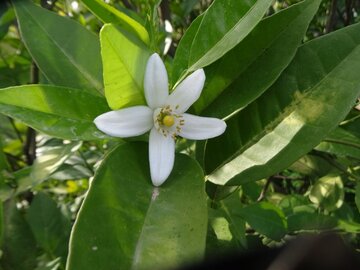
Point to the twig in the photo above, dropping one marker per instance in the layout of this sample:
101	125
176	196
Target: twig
332	17
127	4
264	190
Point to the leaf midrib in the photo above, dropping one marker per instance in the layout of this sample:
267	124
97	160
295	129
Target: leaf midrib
83	72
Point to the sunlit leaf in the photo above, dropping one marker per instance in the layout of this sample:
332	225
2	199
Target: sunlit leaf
310	98
56	111
109	14
124	60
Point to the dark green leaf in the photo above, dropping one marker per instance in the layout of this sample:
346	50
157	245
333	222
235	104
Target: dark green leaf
19	246
67	53
266	219
245	72
135	224
222	27
309	99
109	14
310	221
342	143
49	226
56	111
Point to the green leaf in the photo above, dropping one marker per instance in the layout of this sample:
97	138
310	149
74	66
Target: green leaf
310	221
137	225
124	60
67	53
328	192
222	27
109	14
357	196
19	246
50	159
266	219
342	143
310	98
49	226
245	72
56	111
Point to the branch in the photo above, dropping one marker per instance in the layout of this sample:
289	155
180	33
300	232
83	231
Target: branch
332	17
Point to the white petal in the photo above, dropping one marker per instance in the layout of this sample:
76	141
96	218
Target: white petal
128	122
187	92
201	128
156	82
161	156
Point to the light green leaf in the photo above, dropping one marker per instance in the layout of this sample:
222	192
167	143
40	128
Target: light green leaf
310	98
328	192
222	27
266	219
146	227
246	71
124	60
109	14
50	159
56	111
67	53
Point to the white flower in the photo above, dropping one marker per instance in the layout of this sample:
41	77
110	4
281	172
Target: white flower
164	117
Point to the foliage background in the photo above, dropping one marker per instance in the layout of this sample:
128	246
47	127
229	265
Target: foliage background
37	217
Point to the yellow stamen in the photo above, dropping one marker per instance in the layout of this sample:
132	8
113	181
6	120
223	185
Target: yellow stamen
168	121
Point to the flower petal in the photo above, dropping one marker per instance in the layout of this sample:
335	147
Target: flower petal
187	92
161	156
156	82
201	128
128	122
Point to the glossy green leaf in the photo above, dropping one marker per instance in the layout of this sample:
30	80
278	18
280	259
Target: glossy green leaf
328	192
222	27
68	55
49	226
109	14
18	244
245	72
266	219
50	159
124	60
56	111
146	227
310	98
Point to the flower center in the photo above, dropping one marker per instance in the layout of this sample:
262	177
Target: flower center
168	120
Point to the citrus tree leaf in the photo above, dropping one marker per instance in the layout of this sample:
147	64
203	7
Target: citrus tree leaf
222	27
137	225
246	71
310	98
56	111
56	44
124	60
109	14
